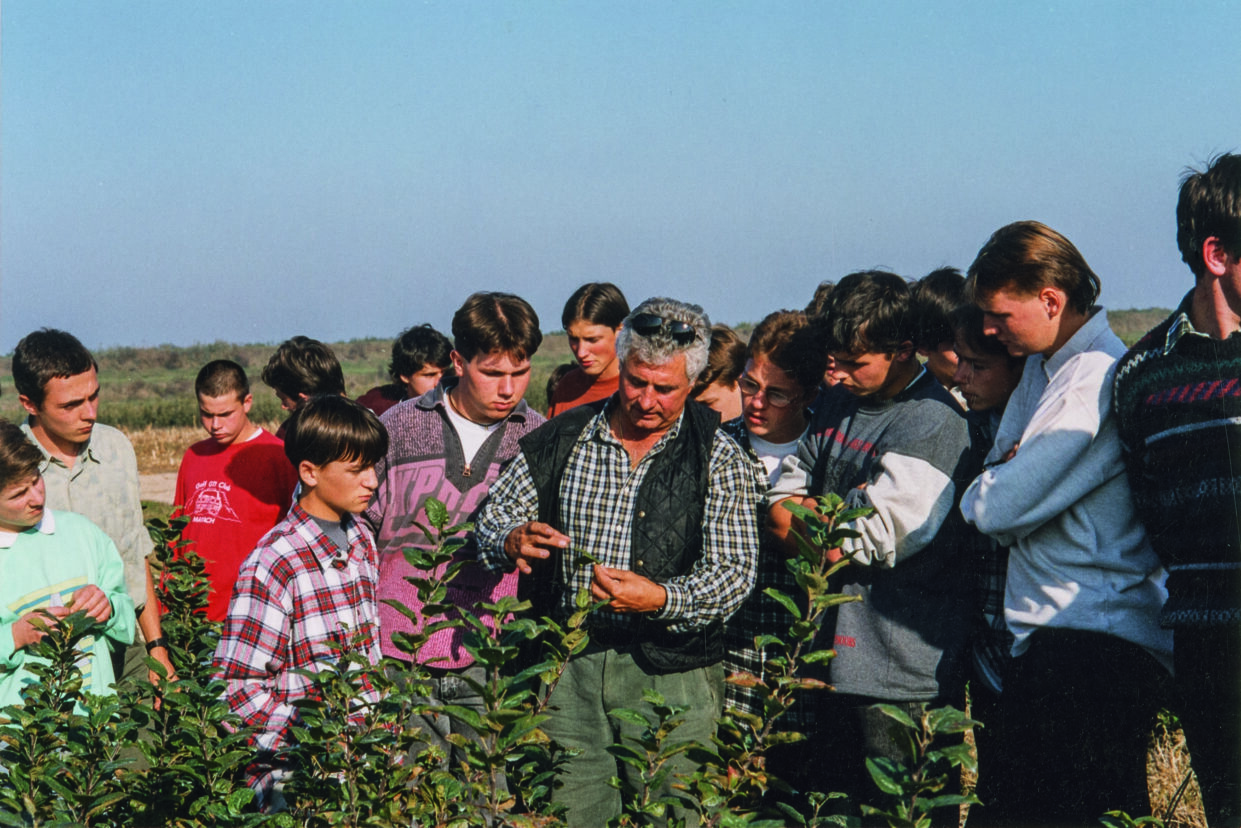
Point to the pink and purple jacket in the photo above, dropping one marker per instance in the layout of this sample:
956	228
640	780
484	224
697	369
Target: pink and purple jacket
425	460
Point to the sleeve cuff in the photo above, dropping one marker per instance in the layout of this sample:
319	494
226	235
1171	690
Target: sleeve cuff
676	603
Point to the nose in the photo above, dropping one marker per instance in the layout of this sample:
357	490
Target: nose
961	374
90	410
989	325
369	479
505	386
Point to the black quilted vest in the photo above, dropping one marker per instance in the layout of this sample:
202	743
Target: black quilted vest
666	531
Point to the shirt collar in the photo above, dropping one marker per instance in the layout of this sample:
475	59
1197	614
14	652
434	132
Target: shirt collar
598	427
86	453
323	552
46	526
1181	325
1080	342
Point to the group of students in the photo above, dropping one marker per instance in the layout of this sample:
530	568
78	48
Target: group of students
1048	515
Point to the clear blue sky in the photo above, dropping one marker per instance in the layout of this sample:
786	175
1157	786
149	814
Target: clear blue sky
191	171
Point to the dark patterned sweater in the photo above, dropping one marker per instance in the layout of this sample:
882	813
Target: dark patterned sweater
1178	409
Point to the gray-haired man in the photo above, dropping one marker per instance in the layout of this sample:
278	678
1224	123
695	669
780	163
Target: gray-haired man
647	484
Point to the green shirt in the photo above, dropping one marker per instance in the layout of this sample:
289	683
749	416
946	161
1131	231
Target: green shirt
42	567
103	486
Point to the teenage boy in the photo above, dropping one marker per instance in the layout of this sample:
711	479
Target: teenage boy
235	485
933	299
308	587
897	443
88	468
450	444
419	359
986	376
1084	587
302	368
52	564
1178	411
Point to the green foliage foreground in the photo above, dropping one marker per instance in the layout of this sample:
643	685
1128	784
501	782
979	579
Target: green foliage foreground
174	757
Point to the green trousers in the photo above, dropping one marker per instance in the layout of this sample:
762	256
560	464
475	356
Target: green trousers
601	681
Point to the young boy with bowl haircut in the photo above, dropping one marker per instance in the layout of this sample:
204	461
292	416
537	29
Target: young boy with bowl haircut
52	564
895	442
309	585
235	485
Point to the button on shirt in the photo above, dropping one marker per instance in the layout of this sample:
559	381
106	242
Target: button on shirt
598	492
102	485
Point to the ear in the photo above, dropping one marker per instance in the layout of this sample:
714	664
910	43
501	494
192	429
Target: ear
1214	256
247	402
1054	301
904	351
308	473
458	362
31	408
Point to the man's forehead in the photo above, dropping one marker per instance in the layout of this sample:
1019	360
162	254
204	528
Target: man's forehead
77	386
222	403
500	361
672	367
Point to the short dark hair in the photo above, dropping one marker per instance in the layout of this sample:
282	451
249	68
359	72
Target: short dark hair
932	300
785	338
330	427
302	365
868	311
817	306
599	303
1027	256
1210	205
44	355
554	378
967	323
19	458
725	359
490	321
220	377
418	346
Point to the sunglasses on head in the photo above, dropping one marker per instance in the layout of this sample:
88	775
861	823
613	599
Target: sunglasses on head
648	324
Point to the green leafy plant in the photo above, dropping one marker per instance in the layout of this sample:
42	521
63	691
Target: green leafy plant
922	780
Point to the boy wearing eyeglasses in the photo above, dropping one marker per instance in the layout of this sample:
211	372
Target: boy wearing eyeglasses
897	443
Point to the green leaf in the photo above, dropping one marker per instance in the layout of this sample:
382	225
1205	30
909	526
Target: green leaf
437	513
783	600
882	778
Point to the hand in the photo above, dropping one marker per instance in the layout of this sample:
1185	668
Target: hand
626	591
160	654
533	541
26	633
91	600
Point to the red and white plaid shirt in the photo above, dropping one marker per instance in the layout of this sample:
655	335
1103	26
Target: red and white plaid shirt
295	595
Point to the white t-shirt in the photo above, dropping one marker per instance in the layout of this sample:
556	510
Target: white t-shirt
471	434
770	455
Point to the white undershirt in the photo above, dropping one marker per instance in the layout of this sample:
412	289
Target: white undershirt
770	455
471	434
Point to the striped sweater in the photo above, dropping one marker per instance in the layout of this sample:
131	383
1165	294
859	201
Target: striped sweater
1178	409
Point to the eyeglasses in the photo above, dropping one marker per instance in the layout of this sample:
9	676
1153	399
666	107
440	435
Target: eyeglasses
776	399
648	324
